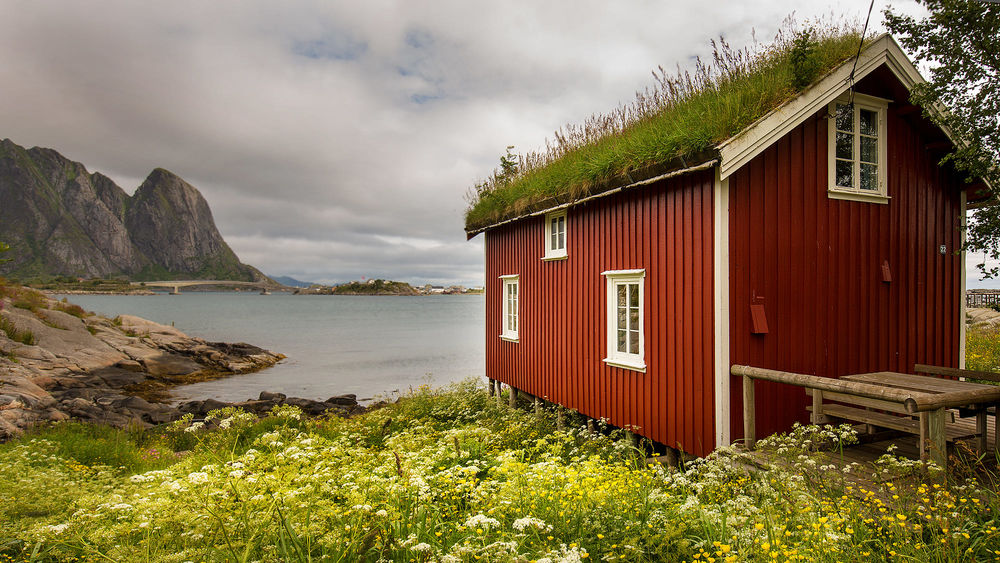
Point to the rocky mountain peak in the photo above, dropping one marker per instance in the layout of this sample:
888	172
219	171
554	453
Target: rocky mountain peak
62	220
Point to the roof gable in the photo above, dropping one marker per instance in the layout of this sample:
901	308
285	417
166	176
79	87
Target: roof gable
744	146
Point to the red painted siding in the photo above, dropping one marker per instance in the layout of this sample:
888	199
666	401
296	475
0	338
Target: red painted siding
817	264
666	229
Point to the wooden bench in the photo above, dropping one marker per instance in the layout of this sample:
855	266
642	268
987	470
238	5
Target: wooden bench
912	403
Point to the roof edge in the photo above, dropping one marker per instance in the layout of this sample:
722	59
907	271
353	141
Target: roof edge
758	136
471	233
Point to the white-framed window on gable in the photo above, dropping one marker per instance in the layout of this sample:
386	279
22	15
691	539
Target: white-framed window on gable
626	313
555	235
510	298
857	149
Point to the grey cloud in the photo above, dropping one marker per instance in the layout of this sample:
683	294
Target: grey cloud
337	139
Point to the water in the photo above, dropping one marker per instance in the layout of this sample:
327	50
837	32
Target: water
335	344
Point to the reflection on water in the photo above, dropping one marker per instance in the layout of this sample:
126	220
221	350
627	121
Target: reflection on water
335	344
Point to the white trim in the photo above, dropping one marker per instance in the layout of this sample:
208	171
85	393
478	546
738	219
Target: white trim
757	137
640	273
550	252
720	282
962	298
681	172
636	360
506	333
854	196
554	258
879	107
639	367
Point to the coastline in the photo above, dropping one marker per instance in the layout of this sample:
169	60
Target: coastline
59	362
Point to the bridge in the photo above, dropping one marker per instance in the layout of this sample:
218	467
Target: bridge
176	285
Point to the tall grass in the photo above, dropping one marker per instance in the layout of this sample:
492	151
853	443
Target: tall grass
982	348
24	336
683	113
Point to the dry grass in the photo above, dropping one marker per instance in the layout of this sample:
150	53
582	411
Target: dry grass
683	113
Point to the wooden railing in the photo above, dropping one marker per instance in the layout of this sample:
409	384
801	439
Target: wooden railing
978	299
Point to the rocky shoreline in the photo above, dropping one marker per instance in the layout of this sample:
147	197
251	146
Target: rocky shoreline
58	362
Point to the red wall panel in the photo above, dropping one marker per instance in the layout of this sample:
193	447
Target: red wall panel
816	264
666	229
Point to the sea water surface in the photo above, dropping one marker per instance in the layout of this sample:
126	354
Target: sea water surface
367	345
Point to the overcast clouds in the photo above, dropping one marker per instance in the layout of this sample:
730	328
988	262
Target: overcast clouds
337	140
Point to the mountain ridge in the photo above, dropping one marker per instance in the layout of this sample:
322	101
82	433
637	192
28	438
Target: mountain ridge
62	220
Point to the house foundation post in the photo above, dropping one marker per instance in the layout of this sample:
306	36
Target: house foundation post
513	397
538	407
560	418
490	387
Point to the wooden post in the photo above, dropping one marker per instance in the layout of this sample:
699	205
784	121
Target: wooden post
749	414
490	388
499	390
922	446
560	420
513	397
817	414
590	425
938	445
981	430
538	407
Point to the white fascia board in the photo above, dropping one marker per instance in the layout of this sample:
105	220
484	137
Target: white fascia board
742	148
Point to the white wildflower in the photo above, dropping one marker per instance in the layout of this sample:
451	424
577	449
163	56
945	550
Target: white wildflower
198	477
521	523
57	528
481	521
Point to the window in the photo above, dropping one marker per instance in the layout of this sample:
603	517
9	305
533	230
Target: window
555	236
857	146
509	315
626	341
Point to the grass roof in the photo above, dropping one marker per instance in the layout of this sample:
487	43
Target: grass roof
677	121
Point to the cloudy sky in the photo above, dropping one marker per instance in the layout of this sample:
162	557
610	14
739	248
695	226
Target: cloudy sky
335	140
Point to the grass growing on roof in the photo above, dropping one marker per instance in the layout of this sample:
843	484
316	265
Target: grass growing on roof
682	114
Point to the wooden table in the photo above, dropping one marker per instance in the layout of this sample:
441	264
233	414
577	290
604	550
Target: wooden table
947	393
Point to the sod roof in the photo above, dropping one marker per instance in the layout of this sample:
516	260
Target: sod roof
677	124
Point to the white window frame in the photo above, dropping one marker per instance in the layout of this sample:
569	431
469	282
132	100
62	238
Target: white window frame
509	331
552	251
633	361
854	192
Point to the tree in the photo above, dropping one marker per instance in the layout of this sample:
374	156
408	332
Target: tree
960	40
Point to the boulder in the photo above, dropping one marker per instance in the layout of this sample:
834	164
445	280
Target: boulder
170	364
348	400
270	396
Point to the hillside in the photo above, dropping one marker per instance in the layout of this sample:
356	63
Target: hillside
375	287
61	220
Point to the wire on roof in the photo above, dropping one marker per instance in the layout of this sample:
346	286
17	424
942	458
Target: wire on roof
861	44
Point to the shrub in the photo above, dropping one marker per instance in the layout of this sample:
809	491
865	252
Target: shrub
25	336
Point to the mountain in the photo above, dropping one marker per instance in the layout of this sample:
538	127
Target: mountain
60	219
290	282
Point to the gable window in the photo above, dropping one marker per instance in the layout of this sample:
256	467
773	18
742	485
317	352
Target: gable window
626	340
555	235
857	149
509	317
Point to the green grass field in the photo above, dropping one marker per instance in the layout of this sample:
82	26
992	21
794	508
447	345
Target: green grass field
449	475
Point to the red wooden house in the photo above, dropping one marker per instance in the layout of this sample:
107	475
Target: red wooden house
823	239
